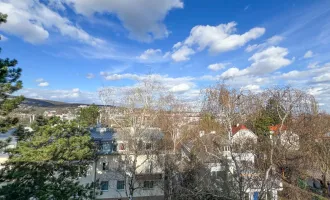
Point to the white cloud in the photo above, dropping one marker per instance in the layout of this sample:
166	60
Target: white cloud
221	38
56	4
71	96
3	38
252	88
182	54
32	20
179	84
308	74
216	39
149	53
75	90
315	91
322	78
233	72
152	56
114	77
90	75
274	40
269	60
180	88
266	61
292	74
177	45
218	66
142	18
40	80
313	65
43	84
252	47
308	54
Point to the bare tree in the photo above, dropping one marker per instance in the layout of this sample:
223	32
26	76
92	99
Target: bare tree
133	113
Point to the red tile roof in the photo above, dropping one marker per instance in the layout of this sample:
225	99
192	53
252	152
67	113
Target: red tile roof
277	127
235	129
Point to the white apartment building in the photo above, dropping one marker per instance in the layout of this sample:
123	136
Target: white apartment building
115	177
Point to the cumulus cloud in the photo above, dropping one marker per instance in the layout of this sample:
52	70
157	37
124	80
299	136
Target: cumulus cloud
269	60
177	45
322	78
216	39
40	80
114	77
152	56
182	54
180	88
313	65
3	38
142	18
218	66
90	75
308	54
71	96
32	20
266	61
274	40
43	84
149	53
75	90
252	88
315	73
179	84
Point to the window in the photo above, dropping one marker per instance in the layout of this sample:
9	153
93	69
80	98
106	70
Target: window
122	146
148	146
120	185
218	174
104	185
106	147
149	167
148	184
105	166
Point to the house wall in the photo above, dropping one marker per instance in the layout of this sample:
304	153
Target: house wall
112	175
243	135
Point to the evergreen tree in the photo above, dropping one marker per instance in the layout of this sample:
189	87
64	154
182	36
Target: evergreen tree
88	116
269	116
9	83
47	163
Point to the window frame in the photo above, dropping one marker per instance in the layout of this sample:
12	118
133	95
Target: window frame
105	166
107	183
147	186
121	182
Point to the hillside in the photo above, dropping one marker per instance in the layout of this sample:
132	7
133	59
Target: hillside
48	103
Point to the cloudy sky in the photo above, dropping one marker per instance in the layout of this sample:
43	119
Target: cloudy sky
69	49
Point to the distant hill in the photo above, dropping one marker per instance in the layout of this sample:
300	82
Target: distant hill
48	103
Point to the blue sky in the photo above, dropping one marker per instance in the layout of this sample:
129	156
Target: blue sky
70	49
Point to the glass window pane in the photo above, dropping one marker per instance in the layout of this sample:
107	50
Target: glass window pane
104	185
120	185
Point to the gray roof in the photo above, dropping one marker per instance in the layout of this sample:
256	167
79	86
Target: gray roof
105	134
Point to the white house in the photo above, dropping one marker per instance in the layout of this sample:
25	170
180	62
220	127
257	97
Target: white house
244	158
